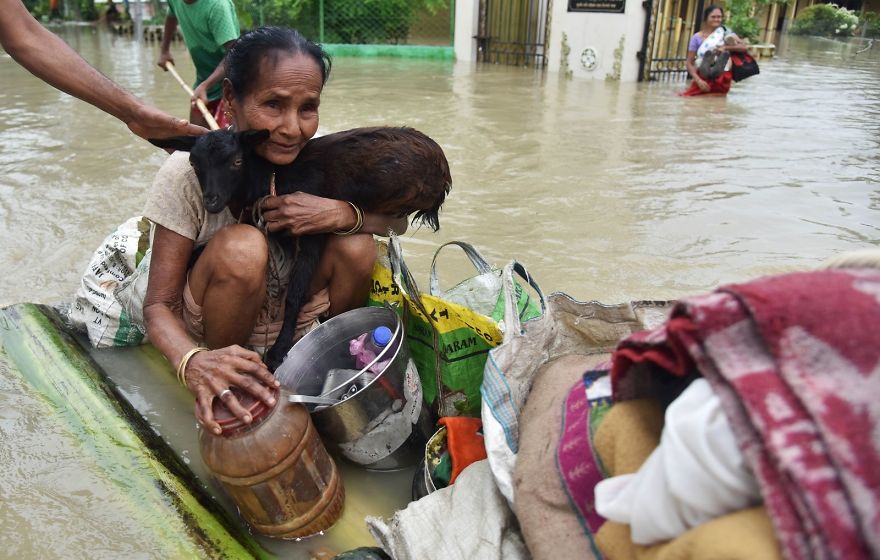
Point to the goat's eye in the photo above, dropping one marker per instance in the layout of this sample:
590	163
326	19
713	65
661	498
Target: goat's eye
237	163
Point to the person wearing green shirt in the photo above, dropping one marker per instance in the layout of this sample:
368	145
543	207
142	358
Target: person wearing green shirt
209	28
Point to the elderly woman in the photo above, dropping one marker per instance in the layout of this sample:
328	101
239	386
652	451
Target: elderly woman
713	36
217	285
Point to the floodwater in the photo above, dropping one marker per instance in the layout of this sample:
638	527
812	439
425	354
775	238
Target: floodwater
604	191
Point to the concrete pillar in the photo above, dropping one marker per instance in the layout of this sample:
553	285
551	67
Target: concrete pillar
466	22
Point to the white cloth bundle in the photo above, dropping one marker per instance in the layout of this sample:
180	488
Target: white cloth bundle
696	474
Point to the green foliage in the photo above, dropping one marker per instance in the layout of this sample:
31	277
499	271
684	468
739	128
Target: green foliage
84	10
871	24
741	20
368	21
253	13
744	26
345	21
826	20
37	8
87	10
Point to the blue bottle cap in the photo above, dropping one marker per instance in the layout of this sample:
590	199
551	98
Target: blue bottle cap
381	336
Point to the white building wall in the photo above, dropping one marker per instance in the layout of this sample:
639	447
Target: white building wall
466	25
601	32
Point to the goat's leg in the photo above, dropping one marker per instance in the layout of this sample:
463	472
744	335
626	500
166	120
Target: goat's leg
297	291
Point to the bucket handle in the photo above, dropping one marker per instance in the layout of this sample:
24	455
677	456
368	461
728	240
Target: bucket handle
307	399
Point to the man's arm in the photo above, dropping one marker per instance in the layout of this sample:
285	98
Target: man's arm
223	22
49	58
201	92
167	36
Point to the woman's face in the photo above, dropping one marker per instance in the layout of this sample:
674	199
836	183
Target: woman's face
715	19
284	100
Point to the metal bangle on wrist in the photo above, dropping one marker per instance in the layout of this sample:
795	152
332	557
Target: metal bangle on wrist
181	367
359	220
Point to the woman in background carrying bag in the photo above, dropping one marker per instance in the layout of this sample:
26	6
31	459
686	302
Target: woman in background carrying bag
709	45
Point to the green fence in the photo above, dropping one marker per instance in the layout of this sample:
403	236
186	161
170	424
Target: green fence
409	28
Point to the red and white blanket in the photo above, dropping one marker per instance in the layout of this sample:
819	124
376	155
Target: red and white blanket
795	360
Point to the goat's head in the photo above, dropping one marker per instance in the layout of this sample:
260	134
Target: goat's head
219	160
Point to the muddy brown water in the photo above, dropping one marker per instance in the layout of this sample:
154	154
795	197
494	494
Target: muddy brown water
603	190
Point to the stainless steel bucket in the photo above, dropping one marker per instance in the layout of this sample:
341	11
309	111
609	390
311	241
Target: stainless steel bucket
381	424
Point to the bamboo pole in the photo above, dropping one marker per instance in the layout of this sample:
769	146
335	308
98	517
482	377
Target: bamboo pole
659	30
792	13
676	36
666	26
199	103
690	18
771	23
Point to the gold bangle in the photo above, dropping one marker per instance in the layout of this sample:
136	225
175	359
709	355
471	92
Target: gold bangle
181	367
359	220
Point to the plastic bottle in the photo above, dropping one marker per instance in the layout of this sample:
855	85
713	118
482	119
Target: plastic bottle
367	346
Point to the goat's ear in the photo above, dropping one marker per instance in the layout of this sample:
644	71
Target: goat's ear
251	138
182	143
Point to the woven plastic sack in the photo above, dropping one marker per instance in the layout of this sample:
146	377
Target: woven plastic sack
383	289
109	301
481	293
448	340
566	327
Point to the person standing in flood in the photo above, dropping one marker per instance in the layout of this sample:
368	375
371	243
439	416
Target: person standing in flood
209	29
713	36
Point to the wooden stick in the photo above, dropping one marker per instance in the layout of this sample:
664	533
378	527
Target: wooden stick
199	103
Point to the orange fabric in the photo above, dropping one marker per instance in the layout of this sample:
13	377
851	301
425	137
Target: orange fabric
217	108
463	441
720	85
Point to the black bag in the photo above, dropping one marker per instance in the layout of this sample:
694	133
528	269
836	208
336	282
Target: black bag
744	66
713	64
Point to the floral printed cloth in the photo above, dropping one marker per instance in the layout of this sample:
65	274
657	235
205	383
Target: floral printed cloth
795	360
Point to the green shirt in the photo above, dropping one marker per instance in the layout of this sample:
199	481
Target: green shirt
206	26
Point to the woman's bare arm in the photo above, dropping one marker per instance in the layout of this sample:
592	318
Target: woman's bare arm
162	304
49	58
738	47
692	70
201	91
209	373
691	66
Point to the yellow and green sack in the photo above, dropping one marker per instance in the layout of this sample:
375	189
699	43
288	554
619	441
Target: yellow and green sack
449	333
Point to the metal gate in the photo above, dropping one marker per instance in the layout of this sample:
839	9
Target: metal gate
513	32
671	24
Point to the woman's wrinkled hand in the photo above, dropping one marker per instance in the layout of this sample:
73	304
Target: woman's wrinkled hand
306	214
702	85
210	373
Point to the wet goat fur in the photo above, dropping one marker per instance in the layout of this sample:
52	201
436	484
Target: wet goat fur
381	169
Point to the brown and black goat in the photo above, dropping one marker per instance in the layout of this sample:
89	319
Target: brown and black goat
387	170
